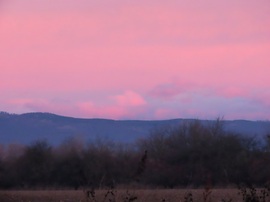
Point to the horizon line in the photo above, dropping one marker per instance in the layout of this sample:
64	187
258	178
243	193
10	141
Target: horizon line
104	118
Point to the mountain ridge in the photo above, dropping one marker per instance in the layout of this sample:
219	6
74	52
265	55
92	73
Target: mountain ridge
29	127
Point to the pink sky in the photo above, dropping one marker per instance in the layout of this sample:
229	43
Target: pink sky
150	59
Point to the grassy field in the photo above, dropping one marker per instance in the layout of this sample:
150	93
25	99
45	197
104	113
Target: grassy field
173	195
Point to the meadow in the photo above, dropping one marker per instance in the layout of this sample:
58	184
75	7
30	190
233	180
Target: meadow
178	162
121	195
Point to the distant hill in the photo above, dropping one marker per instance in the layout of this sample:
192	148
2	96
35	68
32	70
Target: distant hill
29	127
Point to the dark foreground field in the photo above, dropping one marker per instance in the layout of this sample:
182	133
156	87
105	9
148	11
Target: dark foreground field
159	195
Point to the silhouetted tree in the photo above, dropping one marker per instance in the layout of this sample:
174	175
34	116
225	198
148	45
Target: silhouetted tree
35	165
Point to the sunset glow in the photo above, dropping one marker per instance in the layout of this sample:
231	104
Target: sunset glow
136	59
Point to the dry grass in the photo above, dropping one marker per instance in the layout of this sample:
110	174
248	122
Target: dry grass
173	195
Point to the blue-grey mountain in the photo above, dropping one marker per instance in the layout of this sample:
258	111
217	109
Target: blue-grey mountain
29	127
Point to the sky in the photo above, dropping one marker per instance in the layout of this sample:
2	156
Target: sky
143	59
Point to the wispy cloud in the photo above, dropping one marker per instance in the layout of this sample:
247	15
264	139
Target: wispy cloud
170	90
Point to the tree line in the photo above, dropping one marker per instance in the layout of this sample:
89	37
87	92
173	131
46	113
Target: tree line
192	154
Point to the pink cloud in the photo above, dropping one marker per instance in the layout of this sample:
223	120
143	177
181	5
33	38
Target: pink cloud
126	105
110	111
129	98
95	111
